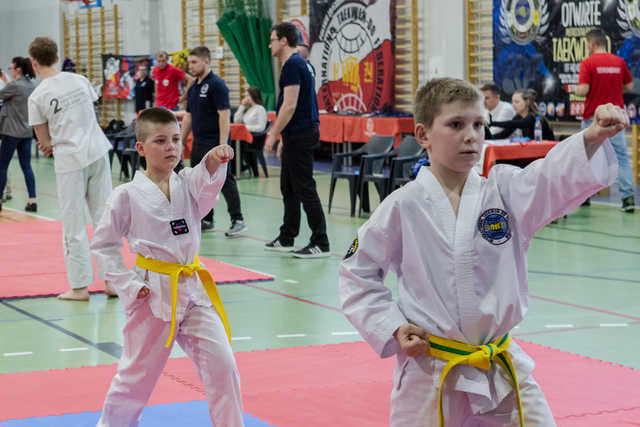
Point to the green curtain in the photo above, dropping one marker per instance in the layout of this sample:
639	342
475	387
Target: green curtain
247	32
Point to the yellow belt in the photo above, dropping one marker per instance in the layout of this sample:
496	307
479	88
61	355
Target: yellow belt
479	356
174	270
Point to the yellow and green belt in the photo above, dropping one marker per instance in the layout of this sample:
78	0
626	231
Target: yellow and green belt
174	270
479	356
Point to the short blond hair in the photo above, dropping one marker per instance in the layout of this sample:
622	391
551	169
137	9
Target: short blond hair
440	91
152	116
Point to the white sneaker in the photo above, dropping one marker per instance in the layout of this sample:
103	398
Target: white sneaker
237	227
277	246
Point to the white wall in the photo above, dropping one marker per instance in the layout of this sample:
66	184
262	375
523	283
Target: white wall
150	25
443	39
22	21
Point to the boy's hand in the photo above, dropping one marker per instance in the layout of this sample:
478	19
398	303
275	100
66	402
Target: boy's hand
221	153
608	120
412	340
143	292
46	148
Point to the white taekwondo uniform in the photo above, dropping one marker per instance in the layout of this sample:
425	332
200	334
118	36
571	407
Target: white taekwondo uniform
155	228
462	279
83	173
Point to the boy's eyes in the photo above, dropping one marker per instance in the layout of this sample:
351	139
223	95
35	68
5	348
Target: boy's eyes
458	124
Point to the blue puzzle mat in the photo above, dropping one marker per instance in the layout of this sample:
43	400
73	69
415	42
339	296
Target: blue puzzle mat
189	414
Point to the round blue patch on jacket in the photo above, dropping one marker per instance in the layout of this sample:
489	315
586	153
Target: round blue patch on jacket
493	224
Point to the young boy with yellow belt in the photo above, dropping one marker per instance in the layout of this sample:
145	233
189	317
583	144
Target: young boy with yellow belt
457	243
168	295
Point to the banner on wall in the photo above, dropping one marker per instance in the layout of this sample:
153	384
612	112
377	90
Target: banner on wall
539	44
120	74
351	51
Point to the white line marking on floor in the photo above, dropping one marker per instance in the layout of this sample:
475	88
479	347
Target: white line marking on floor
613	325
345	333
240	338
516	327
291	335
291	281
74	349
21	353
558	326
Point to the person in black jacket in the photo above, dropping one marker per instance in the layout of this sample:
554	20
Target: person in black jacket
524	104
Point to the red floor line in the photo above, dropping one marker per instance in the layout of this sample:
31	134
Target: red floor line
291	296
584	307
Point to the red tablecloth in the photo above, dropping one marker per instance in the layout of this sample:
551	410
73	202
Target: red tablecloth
338	129
239	132
360	129
527	150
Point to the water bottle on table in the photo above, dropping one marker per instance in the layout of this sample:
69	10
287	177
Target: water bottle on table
537	130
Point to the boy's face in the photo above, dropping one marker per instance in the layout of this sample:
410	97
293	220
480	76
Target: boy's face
162	147
454	140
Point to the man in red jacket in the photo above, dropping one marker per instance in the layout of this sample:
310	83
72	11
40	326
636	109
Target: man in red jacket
603	78
167	78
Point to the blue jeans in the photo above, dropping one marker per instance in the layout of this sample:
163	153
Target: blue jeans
625	173
7	148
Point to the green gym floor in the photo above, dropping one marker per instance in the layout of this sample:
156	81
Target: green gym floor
584	279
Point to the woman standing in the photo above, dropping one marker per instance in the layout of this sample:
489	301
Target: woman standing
14	125
524	104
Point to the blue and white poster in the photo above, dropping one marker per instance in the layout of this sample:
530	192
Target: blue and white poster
539	44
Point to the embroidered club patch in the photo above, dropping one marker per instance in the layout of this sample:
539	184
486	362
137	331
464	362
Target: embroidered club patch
352	249
493	224
179	226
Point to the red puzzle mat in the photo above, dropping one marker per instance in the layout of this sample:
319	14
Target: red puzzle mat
331	385
33	262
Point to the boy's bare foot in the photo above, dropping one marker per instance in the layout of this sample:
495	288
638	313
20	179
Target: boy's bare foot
80	294
107	290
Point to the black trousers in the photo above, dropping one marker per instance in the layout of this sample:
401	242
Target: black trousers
298	187
229	189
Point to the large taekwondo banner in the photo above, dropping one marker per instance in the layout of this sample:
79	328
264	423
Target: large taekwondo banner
351	51
540	43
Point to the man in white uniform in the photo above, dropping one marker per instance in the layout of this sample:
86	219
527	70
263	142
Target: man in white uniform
167	294
499	110
61	112
457	243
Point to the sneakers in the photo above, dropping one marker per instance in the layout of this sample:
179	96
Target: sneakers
206	225
277	246
311	251
237	227
628	204
31	207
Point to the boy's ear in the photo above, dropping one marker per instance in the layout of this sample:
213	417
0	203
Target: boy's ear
422	136
140	148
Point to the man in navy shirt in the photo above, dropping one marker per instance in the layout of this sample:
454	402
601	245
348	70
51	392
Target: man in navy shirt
297	121
208	115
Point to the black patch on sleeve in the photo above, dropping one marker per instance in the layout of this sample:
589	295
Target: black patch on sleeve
352	249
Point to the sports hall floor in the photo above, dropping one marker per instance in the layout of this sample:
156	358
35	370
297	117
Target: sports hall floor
584	279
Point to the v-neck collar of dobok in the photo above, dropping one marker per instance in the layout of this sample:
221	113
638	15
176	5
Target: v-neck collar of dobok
151	189
462	226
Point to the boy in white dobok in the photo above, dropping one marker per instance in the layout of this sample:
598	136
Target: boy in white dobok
457	243
168	295
61	112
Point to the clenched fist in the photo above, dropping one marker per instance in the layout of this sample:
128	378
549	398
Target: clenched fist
608	120
412	339
221	153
